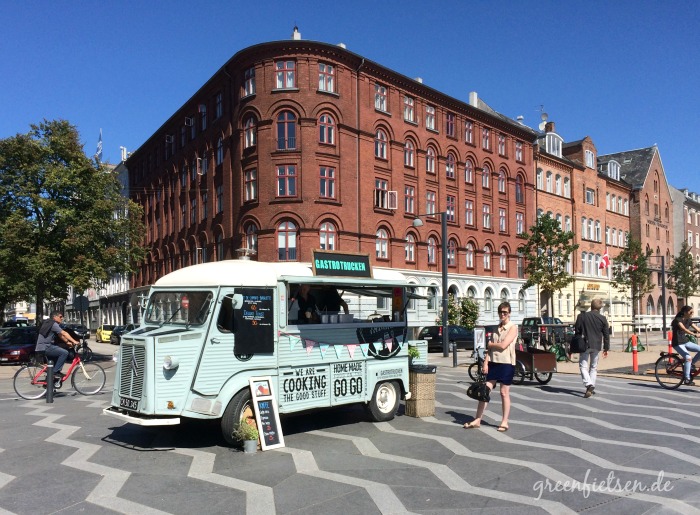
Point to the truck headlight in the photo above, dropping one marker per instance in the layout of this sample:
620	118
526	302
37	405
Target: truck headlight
170	363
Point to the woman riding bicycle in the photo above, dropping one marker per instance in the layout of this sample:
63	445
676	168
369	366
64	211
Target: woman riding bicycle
681	328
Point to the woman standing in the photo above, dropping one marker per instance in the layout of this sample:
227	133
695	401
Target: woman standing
499	366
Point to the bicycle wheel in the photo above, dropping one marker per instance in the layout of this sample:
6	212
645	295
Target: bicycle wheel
84	352
572	358
543	377
88	378
669	371
519	377
26	385
474	372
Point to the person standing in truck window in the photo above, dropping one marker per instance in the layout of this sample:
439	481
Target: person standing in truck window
308	310
331	301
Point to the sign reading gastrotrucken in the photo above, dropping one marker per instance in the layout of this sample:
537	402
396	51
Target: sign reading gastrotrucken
341	265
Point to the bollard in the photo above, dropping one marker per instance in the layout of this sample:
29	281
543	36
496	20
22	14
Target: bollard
454	355
635	364
49	383
670	338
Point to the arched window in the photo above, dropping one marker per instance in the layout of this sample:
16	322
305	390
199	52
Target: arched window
488	301
430	160
409	152
486	177
380	144
650	306
450	166
505	295
584	262
451	252
250	132
251	237
540	181
503	260
549	182
502	181
469	254
519	189
432	297
567	187
219	248
432	250
287	241
521	302
471	292
469	172
382	244
487	257
557	184
286	131
327	234
584	227
410	249
326	126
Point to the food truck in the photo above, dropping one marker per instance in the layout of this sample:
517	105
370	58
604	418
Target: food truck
208	328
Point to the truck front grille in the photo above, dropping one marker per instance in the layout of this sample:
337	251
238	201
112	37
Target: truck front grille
133	361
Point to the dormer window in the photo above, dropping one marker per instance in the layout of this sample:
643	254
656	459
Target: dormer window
614	170
590	159
553	144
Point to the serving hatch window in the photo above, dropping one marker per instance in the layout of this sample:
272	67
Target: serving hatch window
179	308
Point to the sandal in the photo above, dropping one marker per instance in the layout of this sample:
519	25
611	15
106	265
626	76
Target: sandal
502	429
472	425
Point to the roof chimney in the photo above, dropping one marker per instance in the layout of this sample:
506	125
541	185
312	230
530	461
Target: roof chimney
342	45
296	34
549	127
419	80
473	99
520	119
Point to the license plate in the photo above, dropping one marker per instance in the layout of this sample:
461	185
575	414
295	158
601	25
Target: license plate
3	359
127	403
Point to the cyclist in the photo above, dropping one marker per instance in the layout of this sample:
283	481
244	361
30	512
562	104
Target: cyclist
46	342
681	327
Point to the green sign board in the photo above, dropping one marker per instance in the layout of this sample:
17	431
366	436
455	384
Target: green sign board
341	265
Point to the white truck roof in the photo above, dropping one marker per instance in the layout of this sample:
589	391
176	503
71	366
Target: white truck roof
240	272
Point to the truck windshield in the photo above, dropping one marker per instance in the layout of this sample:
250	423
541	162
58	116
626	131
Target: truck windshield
179	308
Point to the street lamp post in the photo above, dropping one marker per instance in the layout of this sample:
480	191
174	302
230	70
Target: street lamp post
417	222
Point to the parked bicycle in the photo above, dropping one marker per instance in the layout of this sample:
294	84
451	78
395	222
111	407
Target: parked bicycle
560	346
668	370
30	381
476	369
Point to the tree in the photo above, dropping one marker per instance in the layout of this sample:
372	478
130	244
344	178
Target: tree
63	220
547	250
684	274
631	271
464	313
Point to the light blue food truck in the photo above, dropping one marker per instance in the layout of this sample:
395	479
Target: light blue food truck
208	328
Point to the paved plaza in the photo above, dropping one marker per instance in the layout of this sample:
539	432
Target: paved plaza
631	448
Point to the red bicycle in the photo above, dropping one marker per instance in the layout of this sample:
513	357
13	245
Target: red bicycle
87	379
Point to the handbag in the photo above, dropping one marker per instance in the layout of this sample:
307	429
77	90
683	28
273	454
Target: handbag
479	392
578	344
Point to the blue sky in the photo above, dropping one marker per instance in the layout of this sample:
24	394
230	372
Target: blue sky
625	73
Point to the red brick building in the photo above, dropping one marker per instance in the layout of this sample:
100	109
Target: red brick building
298	145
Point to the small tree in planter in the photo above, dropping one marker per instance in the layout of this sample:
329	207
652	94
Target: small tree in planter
248	434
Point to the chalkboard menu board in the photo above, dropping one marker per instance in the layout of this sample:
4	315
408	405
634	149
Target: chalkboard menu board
266	413
254	321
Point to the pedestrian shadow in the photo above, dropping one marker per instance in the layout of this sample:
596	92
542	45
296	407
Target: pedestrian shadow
557	389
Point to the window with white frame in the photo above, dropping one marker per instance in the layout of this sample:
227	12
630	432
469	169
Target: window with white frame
584	228
614	170
380	97
590	159
502	181
519	189
327	235
590	196
501	145
519	223
486	177
286	131
410	248
450	166
597	231
502	225
380	144
430	118
469	171
486	212
430	202
607	202
469	132
549	182
326	77
251	185
409	113
382	244
286	74
503	259
451	208
469	212
690	238
487	257
250	132
488	301
557	184
326	129
327	181
430	160
381	193
249	82
558	218
287	241
540	179
409	199
286	181
251	236
553	144
409	152
469	255
567	187
450	125
451	253
519	151
432	250
567	223
486	138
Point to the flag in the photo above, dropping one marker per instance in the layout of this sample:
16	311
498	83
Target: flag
605	260
98	154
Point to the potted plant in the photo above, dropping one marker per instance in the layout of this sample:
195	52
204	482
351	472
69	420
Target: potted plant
247	433
412	354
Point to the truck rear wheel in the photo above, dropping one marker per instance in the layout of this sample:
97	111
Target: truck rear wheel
239	409
384	402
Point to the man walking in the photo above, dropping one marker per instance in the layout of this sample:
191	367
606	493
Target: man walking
594	327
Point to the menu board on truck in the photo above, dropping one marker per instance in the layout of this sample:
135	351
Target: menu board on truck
266	413
254	321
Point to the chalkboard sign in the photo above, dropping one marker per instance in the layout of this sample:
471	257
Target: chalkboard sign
254	321
266	413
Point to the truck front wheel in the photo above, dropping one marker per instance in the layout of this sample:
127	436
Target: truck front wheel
384	402
239	409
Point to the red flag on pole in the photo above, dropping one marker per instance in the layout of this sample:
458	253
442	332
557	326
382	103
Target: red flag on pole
605	260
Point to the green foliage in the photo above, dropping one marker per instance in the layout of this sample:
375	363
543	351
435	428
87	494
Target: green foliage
546	250
631	271
413	352
246	431
57	217
464	313
684	274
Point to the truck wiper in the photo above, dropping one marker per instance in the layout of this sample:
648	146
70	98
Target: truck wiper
171	317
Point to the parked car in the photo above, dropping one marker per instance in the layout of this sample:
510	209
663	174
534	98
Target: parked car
103	333
80	330
535	331
17	344
23	322
463	337
117	332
